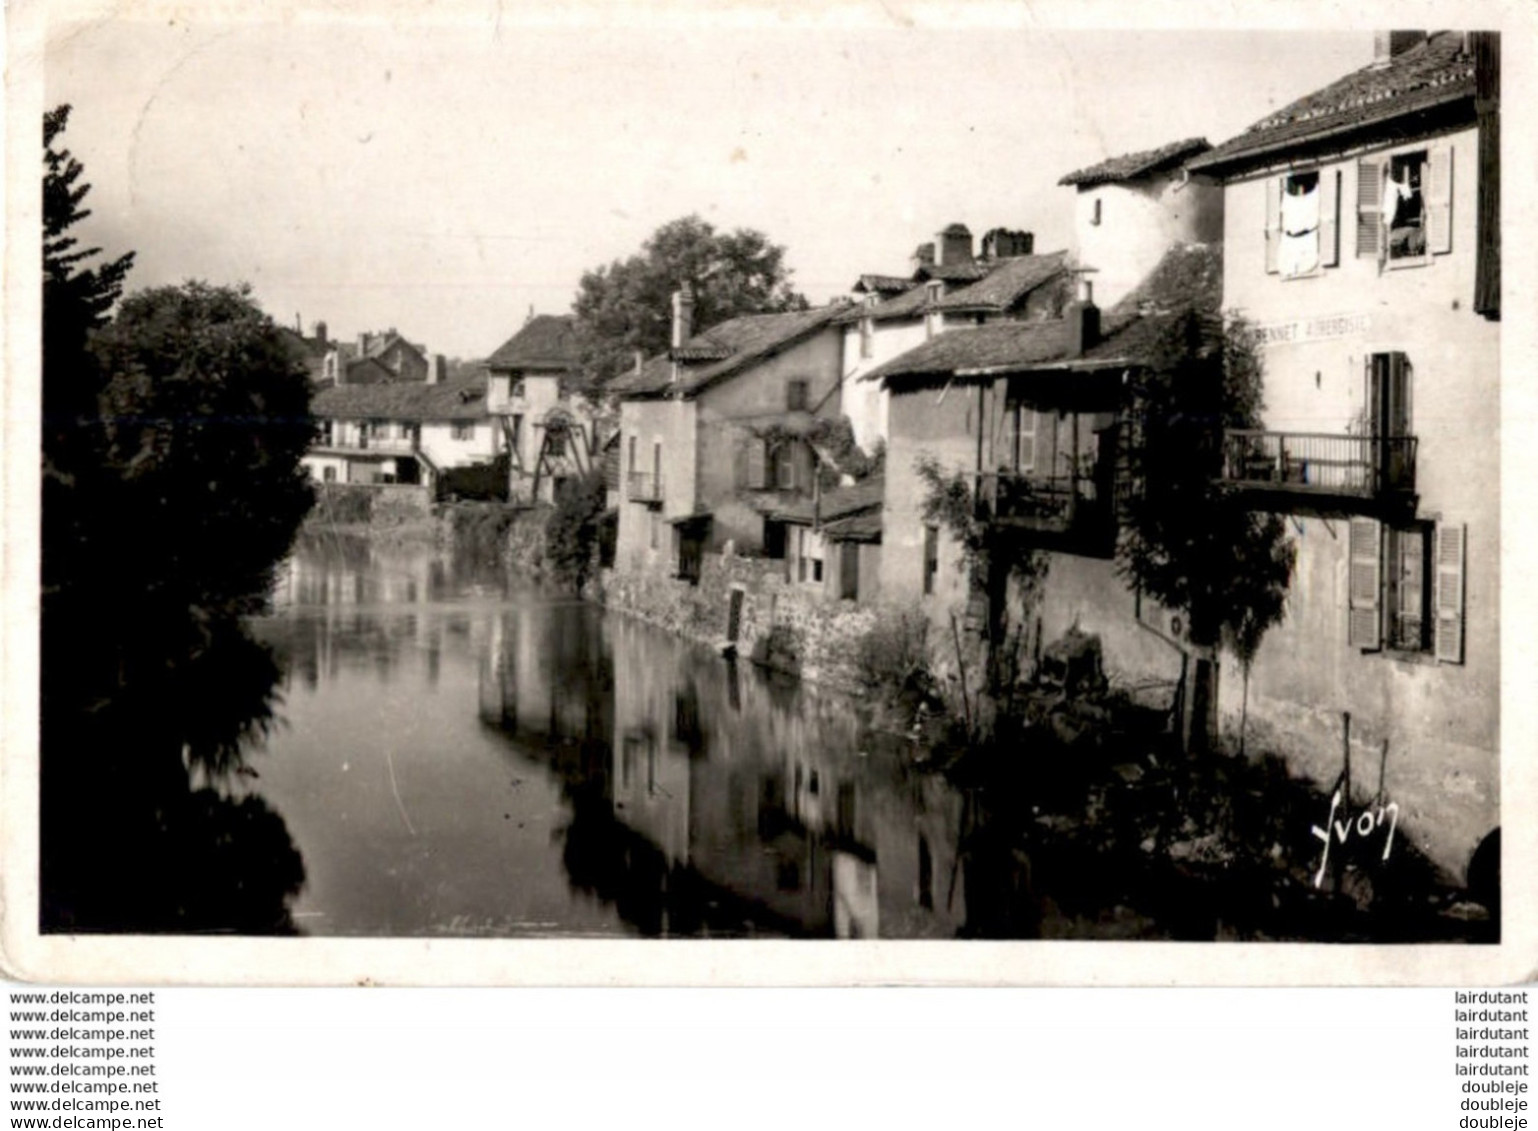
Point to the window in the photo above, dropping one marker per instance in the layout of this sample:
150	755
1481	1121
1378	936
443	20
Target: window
1094	216
931	557
796	396
1404	206
516	387
555	442
518	434
1302	222
403	431
464	430
1406	588
325	432
934	321
378	429
328	475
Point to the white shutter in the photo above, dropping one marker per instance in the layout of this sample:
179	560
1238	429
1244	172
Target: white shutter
1026	455
1439	200
1364	627
1369	206
1450	551
1329	217
1273	222
756	465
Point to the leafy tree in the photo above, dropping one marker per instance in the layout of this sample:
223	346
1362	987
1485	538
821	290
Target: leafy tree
575	529
626	305
1186	539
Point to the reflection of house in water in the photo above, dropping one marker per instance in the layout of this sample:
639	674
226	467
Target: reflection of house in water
713	800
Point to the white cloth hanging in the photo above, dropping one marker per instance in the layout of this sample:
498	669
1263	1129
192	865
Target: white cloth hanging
1299	250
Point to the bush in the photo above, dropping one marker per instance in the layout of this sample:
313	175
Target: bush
575	530
893	657
342	504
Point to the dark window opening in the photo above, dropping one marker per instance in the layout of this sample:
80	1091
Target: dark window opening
1404	206
931	557
797	395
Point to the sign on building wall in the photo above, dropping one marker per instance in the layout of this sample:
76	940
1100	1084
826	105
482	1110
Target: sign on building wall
1319	329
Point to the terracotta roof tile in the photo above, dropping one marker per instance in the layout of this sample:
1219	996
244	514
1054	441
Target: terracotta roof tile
546	341
748	339
1009	281
1130	166
1430	74
463	399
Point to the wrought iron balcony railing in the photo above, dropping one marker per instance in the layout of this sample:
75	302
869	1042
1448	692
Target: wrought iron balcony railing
643	487
1362	467
1052	503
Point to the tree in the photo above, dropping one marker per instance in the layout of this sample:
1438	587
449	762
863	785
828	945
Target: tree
626	306
1186	539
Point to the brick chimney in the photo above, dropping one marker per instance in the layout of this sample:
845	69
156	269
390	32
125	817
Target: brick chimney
1001	243
1389	45
1083	322
320	333
923	256
953	245
683	314
437	368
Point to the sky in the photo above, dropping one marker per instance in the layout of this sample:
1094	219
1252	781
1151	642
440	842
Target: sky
446	177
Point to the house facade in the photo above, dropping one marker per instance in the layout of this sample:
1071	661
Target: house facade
718	433
1361	241
1131	209
551	437
406	433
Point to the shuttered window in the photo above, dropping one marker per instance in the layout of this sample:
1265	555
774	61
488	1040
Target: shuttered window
1329	218
757	468
1273	228
1025	439
1365	627
1450	557
1437	179
1369	207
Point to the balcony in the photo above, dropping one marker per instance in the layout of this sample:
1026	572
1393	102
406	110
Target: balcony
1061	505
353	444
644	487
1321	466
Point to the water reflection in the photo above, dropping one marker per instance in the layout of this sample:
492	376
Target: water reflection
465	757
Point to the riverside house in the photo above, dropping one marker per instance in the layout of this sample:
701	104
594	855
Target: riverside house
949	285
717	433
401	432
1363	239
550	437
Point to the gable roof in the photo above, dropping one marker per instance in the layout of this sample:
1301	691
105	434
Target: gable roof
546	341
967	271
883	284
379	346
369	371
1430	75
1130	166
461	399
744	342
1188	279
1010	280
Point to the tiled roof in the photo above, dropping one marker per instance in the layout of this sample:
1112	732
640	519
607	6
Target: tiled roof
1430	74
463	399
749	339
1188	278
1130	166
967	271
1010	280
856	528
883	284
837	503
369	371
909	304
546	341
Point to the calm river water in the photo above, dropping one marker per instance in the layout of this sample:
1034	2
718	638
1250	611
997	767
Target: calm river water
458	756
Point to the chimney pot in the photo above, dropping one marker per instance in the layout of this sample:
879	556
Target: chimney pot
320	333
953	245
683	315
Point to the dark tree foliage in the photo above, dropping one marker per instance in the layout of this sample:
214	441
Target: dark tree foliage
627	305
575	528
1186	539
171	489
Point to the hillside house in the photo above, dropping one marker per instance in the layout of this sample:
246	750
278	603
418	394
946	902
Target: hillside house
715	434
1364	242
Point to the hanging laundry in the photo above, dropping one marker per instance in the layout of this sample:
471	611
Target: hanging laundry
1299	250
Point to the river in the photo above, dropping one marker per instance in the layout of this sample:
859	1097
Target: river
456	755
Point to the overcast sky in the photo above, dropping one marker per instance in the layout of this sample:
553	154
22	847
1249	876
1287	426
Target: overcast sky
444	179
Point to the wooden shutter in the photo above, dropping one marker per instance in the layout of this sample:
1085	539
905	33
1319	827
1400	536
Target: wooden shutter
1329	217
1438	184
1450	550
757	460
1273	222
1369	205
1025	454
1364	627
